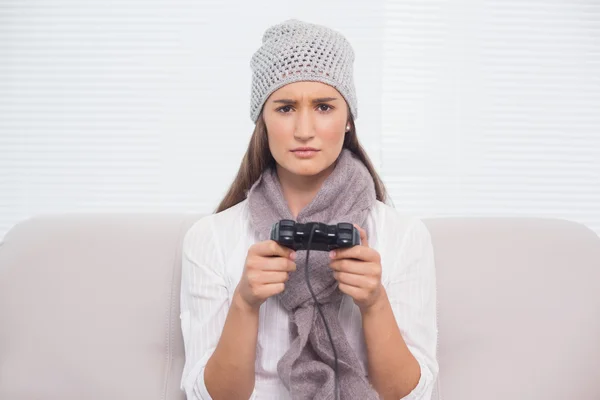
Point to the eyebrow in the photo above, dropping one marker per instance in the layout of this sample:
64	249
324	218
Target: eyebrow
314	101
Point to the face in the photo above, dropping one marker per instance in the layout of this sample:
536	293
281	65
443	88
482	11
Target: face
306	123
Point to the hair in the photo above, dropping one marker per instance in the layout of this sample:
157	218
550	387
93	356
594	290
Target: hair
258	157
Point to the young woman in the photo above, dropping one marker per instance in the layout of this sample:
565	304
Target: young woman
251	326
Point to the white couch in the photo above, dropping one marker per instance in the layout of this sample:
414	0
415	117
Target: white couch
89	308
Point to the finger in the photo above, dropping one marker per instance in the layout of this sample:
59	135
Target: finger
357	252
356	267
271	264
363	236
359	281
270	248
276	264
357	294
268	290
348	265
266	277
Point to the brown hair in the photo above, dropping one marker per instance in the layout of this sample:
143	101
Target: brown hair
258	157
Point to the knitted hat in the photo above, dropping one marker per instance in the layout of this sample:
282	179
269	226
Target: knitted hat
299	51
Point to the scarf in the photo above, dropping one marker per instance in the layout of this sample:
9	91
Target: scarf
307	367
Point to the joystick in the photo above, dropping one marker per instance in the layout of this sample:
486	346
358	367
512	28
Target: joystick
295	235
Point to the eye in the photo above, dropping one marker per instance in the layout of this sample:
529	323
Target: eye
328	107
280	109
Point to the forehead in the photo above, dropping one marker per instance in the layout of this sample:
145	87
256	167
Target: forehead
305	89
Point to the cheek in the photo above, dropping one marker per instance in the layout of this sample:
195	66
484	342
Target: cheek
278	133
332	132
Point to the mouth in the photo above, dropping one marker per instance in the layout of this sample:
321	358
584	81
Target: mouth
305	152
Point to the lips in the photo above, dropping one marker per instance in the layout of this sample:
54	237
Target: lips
305	152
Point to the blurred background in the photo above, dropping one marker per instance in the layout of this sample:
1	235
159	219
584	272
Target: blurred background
467	108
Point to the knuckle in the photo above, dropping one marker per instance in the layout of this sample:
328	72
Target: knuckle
273	246
372	284
375	269
251	262
253	290
254	249
283	263
378	270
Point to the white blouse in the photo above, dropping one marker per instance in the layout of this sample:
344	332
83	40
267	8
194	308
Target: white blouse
214	253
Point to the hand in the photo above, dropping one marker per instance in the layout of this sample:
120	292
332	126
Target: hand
358	271
266	270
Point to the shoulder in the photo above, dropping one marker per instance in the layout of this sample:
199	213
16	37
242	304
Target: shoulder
397	225
217	232
403	239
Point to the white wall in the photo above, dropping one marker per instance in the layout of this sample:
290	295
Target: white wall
467	108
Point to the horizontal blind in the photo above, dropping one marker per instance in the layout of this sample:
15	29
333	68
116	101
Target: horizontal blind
80	106
491	108
136	106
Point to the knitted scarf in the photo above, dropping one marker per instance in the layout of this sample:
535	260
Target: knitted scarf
307	368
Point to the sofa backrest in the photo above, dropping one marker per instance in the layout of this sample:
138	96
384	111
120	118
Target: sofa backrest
518	308
89	308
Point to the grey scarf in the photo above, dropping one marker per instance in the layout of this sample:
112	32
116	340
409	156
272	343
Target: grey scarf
307	368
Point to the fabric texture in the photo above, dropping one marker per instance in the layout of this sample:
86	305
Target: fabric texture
307	368
299	51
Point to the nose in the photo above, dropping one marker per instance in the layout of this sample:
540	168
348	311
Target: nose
304	129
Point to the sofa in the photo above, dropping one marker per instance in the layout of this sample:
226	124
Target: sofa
89	308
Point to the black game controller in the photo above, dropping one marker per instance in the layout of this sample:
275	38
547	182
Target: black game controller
295	236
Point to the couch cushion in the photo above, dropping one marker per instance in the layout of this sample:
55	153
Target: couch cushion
519	308
89	307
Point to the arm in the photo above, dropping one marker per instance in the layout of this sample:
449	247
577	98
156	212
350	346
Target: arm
399	315
401	328
393	370
229	372
219	361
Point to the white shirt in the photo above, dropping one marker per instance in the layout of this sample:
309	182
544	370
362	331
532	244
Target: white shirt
214	253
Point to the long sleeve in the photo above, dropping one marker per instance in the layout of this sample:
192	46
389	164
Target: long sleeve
411	290
204	305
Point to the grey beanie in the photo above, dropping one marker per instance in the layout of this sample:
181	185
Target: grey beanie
299	51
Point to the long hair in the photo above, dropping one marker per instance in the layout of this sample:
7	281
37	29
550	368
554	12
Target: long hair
258	157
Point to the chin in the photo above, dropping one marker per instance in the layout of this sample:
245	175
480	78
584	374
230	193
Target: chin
304	168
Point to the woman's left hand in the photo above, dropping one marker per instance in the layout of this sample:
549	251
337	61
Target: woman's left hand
358	271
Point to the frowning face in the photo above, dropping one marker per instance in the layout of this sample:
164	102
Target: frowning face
306	123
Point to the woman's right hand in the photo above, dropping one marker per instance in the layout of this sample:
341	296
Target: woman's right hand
266	270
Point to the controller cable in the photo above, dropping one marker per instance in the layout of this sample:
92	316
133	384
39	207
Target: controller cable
336	370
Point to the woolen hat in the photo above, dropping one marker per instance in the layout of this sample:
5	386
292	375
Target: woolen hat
295	51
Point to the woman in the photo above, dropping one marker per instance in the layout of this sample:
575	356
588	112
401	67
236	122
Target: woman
251	326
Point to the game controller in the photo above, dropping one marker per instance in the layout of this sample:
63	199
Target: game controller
296	236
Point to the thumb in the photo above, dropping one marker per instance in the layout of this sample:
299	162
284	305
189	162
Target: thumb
363	236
